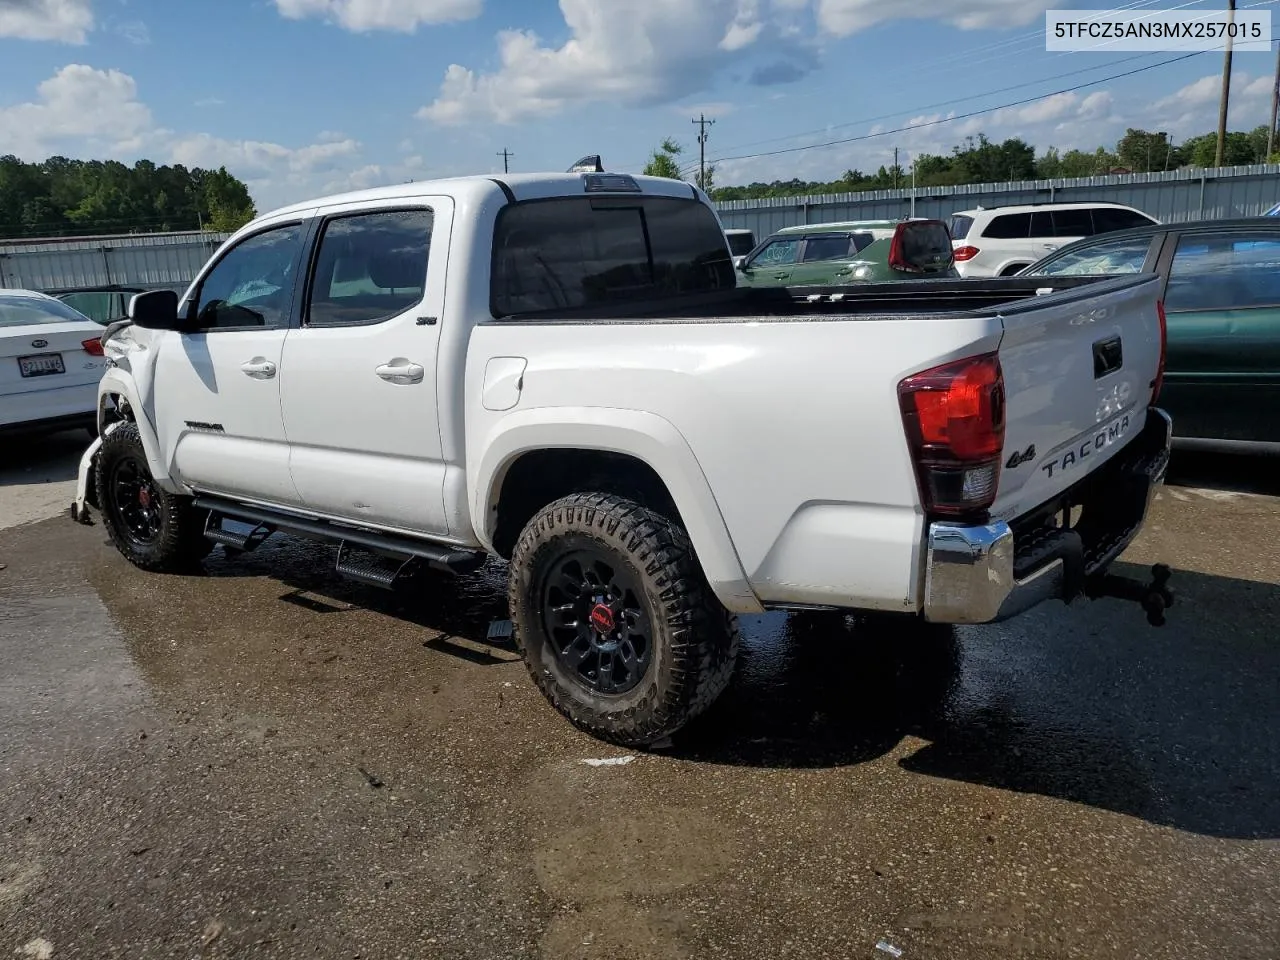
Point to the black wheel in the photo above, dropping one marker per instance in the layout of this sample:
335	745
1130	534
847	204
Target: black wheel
155	530
615	620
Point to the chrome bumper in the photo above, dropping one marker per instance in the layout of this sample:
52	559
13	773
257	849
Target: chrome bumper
969	570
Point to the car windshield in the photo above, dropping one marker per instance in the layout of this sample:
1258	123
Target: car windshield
28	311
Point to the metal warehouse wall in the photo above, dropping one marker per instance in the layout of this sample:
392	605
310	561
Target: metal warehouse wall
147	260
1172	197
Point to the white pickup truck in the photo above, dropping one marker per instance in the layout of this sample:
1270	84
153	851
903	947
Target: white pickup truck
559	369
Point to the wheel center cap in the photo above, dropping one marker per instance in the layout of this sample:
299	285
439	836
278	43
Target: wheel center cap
144	497
602	618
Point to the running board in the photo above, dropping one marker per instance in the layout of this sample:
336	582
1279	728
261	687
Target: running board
243	542
438	556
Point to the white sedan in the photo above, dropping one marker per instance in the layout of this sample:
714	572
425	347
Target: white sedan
51	360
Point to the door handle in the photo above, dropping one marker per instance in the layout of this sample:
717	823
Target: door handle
781	276
260	368
400	370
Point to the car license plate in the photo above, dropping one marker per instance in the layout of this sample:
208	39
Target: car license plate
41	365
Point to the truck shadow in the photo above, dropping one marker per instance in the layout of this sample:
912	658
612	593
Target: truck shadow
1091	705
52	458
1232	472
1173	725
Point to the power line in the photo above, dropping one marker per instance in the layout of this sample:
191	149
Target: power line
961	116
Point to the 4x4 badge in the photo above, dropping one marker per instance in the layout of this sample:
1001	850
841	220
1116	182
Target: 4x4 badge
1018	459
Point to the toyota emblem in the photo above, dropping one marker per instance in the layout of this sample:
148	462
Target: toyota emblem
39	343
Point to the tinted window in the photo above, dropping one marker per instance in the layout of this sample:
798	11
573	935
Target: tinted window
1042	224
777	254
370	267
826	248
926	245
20	311
1106	219
863	240
1011	226
1224	272
740	244
1112	256
960	225
252	286
101	307
573	252
1072	223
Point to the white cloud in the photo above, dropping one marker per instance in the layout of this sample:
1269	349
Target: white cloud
135	31
98	109
360	16
1193	109
632	52
66	20
83	112
844	17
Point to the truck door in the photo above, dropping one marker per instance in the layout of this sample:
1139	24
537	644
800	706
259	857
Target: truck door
216	400
359	394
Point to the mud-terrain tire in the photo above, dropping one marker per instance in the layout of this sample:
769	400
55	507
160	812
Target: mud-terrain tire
156	531
638	646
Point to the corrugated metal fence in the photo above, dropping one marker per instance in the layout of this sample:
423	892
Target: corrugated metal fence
1172	197
144	260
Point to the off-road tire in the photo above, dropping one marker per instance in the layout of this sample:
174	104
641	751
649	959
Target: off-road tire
694	638
180	544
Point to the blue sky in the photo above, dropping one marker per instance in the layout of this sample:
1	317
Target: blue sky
302	97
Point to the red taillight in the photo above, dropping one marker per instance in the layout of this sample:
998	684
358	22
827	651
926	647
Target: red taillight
954	417
1158	384
93	347
965	253
897	256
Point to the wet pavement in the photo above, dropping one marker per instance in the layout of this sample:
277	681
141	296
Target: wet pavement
266	761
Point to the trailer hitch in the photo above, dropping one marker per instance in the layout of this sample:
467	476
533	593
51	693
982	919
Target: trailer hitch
1154	597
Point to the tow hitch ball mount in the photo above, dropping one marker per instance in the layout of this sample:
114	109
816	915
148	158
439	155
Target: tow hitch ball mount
1154	597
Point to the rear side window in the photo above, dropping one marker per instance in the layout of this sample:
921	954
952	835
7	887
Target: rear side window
740	244
579	251
1010	226
960	225
1226	271
370	267
1107	219
826	248
860	241
1072	223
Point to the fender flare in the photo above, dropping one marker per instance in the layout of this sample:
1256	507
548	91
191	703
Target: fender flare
116	382
635	433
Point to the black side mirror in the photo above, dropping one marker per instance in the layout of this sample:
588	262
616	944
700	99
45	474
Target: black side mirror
155	310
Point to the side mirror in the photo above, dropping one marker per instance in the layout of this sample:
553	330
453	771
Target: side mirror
155	310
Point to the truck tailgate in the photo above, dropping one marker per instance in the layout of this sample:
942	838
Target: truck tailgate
1079	368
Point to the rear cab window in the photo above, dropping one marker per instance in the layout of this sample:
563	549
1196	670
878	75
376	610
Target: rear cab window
572	252
926	244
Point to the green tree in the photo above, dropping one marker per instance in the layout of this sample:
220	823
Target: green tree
1142	151
665	161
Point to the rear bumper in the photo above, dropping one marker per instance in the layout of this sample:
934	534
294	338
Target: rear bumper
984	574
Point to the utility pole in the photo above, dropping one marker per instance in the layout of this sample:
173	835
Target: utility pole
895	168
506	156
1275	109
1226	91
702	123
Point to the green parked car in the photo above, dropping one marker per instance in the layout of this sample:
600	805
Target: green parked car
1222	304
862	251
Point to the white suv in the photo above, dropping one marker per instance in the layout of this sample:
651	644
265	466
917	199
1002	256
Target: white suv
1003	240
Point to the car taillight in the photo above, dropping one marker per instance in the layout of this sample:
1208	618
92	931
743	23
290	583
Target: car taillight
93	347
954	417
1158	384
897	255
965	253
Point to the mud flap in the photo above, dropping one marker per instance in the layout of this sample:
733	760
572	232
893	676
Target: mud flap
86	490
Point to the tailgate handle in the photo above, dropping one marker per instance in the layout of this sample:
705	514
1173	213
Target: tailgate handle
1108	357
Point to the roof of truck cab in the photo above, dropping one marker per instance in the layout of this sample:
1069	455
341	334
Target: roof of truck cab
523	186
847	226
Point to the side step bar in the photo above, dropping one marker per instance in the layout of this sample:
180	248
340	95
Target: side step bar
402	549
